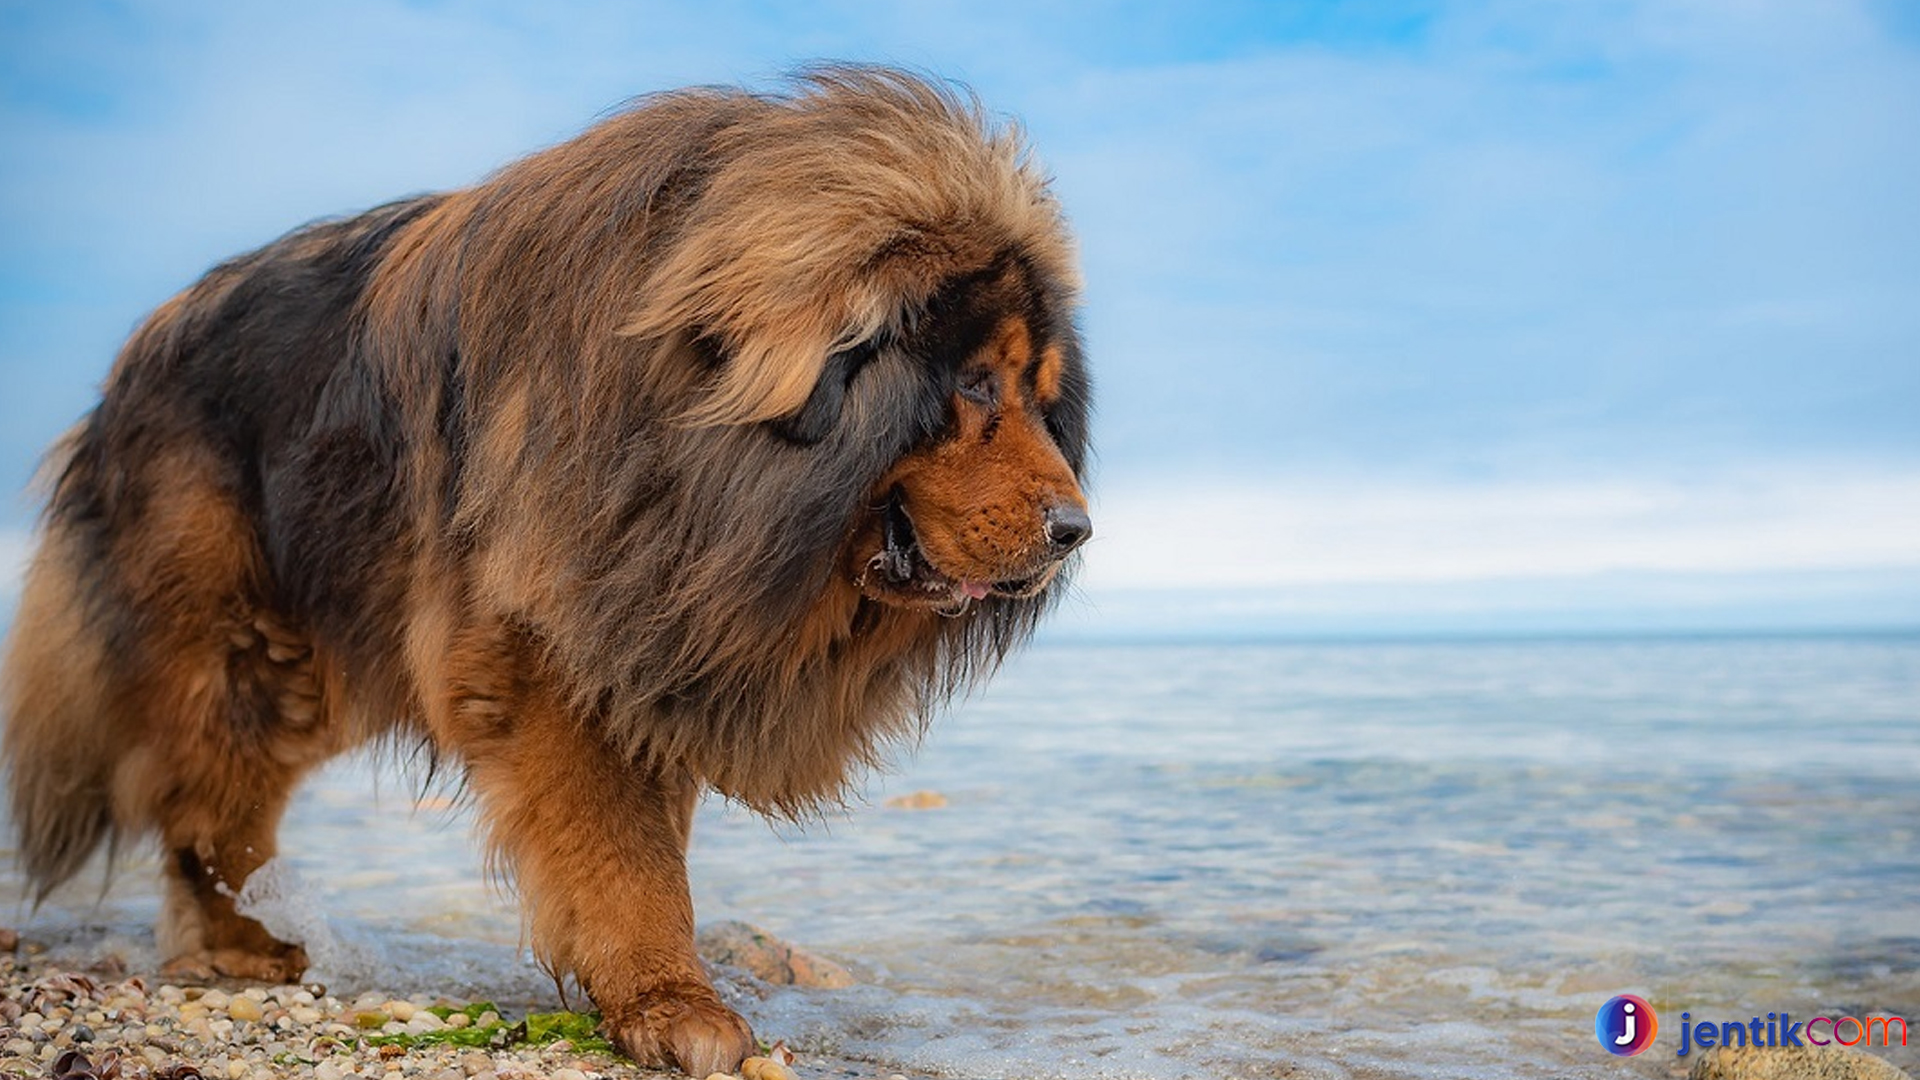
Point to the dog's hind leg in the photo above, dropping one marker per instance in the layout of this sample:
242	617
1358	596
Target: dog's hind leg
218	793
151	688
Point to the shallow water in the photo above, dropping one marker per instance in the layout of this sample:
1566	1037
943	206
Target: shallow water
1356	860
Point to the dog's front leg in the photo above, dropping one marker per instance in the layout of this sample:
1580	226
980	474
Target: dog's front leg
598	846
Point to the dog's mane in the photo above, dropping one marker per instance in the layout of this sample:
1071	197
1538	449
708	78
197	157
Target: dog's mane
587	348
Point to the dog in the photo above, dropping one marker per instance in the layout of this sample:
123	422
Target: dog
710	450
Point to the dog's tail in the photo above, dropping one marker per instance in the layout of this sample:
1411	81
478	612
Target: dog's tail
61	741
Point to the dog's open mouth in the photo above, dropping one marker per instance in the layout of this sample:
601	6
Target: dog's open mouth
902	567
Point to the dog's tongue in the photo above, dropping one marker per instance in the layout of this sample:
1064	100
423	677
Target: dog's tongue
976	589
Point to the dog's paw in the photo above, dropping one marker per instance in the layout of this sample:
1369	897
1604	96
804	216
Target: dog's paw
686	1028
282	966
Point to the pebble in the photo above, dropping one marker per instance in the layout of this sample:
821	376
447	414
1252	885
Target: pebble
767	957
399	1010
245	1008
759	1068
919	800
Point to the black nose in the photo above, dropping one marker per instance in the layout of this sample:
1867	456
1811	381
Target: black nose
1068	527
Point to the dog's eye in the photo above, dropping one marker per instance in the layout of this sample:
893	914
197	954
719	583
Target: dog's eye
979	385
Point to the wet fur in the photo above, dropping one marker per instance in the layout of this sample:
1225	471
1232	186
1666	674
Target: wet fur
565	476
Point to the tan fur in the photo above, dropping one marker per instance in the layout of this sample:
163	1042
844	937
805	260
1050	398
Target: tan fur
1047	375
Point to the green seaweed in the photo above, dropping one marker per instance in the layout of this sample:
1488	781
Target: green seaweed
538	1029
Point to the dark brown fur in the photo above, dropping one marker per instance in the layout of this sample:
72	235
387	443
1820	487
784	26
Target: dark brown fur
712	448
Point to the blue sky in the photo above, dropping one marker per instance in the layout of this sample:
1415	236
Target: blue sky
1407	316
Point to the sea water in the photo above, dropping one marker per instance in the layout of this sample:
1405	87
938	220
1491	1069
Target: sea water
1249	860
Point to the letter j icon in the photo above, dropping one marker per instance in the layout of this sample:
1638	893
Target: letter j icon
1626	1025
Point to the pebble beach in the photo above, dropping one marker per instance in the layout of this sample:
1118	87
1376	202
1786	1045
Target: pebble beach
79	1025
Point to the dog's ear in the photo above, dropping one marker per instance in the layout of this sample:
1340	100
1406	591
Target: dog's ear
821	413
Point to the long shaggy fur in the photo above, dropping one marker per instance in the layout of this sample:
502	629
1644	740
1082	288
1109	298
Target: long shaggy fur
603	429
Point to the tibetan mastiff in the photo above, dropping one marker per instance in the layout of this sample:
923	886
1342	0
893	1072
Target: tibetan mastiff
711	449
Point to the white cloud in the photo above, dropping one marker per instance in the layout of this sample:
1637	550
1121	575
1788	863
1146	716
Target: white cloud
1317	532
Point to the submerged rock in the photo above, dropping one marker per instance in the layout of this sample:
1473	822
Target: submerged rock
1791	1063
769	959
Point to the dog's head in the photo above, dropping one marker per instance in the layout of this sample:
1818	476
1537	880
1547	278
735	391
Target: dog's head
989	501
